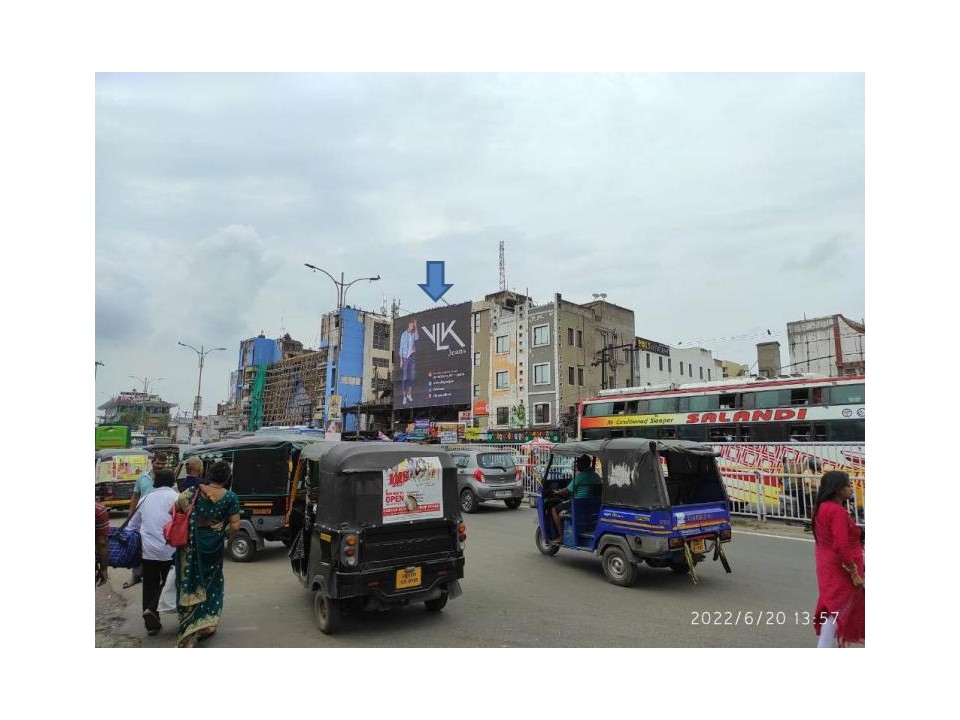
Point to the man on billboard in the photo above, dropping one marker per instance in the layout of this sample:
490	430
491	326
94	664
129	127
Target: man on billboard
408	363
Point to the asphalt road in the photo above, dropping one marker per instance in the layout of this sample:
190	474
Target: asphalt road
515	597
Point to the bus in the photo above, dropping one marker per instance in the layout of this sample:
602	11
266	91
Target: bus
111	436
776	436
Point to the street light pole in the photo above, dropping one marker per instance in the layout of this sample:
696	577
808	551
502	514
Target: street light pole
143	400
201	353
342	288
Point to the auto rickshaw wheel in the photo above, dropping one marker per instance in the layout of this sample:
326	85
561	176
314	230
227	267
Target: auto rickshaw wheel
513	503
617	567
437	604
543	546
327	612
241	547
468	501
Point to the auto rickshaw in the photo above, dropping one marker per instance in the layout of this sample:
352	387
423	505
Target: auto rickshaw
116	471
380	527
661	502
264	480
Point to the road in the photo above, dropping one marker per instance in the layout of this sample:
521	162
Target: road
515	597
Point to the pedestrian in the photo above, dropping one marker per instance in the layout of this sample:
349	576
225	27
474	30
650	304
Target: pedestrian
194	476
149	518
142	488
103	551
215	516
408	361
839	615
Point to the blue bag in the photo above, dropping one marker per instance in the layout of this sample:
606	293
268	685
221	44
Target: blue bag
124	548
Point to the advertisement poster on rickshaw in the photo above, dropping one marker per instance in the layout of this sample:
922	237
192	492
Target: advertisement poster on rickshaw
413	490
123	468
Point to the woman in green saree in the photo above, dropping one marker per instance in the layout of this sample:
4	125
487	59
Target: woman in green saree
200	563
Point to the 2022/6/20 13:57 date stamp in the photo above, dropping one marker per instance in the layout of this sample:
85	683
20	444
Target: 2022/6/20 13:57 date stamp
754	617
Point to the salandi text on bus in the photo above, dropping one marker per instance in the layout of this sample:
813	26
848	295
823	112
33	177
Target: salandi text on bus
795	408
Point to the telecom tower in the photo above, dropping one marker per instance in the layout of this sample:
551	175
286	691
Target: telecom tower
503	269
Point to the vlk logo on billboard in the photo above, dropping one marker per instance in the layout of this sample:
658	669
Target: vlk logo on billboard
432	358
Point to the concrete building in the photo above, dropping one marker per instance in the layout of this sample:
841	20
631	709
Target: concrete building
730	369
768	359
509	374
656	363
136	409
831	346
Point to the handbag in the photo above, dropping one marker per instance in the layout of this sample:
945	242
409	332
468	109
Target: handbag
176	533
123	546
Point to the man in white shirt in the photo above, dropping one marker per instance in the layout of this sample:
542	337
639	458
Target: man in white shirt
149	519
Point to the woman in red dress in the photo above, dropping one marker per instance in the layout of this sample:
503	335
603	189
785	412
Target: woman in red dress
839	615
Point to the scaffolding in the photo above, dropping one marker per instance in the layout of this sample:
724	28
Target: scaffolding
294	390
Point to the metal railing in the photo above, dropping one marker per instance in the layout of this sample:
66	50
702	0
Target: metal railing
763	480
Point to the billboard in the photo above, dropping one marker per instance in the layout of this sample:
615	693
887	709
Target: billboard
433	351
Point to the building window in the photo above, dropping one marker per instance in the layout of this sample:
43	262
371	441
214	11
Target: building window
381	362
579	376
503	415
503	380
541	413
476	322
689	369
541	374
648	360
541	335
661	363
503	343
669	365
681	367
579	338
569	336
476	359
476	391
701	373
381	336
570	374
708	374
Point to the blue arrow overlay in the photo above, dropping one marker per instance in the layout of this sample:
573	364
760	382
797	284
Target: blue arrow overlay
435	287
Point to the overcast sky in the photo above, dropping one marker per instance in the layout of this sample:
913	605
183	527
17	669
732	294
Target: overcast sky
715	206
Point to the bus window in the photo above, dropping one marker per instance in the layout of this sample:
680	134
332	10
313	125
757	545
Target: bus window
643	407
696	433
748	400
723	433
728	402
819	432
846	395
667	433
818	396
663	405
768	432
598	409
595	434
800	397
616	434
745	433
845	431
699	403
768	399
618	408
799	433
631	407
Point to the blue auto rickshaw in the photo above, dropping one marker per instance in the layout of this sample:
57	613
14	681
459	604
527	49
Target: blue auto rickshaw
662	502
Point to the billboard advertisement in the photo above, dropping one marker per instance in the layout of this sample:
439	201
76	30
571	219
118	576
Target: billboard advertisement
433	351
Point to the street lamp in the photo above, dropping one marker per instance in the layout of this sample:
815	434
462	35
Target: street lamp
202	353
342	288
143	400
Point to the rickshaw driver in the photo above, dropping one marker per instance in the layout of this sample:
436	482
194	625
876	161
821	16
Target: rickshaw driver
579	487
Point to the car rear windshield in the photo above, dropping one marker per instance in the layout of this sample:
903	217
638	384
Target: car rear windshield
496	460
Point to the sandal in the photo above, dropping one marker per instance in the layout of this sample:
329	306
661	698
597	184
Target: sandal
152	621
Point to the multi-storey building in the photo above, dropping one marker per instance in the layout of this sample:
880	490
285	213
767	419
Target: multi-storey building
831	346
656	363
137	409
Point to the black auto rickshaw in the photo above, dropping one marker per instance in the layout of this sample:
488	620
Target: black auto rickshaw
380	528
263	469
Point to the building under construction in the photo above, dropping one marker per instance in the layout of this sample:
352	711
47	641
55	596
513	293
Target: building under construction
290	392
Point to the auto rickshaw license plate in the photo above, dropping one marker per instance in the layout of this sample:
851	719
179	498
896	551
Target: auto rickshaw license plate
408	578
698	546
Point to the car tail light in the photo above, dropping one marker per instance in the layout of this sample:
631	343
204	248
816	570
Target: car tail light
462	535
478	474
348	550
675	543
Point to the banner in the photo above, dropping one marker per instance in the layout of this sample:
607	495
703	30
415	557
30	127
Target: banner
433	357
715	417
413	490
